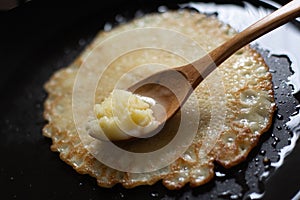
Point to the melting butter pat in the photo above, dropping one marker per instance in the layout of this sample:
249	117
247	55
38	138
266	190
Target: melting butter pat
122	115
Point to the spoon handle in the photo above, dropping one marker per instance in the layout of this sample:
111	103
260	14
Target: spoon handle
209	62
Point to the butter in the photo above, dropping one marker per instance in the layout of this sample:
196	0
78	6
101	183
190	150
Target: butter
122	115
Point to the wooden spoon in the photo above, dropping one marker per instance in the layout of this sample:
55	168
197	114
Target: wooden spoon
171	91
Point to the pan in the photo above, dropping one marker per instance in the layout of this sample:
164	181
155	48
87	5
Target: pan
40	37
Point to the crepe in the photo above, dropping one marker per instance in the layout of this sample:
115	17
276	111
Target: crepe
235	102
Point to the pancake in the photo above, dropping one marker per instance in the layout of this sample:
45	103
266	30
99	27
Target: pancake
235	102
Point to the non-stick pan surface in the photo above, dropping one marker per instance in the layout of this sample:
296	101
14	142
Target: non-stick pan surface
40	37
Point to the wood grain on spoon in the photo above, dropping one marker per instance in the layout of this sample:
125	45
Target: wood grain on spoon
171	88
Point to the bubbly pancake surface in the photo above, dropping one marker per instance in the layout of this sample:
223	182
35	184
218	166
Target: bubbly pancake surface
246	96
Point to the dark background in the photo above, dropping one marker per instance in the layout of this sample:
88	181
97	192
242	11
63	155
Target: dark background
39	37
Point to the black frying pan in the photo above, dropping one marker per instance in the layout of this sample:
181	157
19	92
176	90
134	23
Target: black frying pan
39	37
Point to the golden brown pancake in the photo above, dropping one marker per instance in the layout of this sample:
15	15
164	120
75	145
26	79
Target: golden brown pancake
232	118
